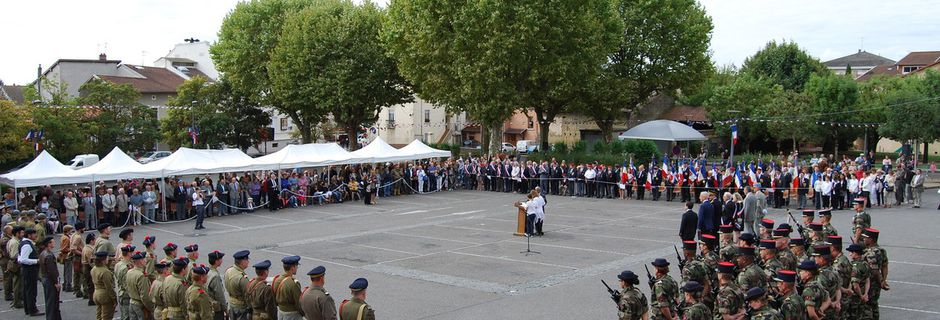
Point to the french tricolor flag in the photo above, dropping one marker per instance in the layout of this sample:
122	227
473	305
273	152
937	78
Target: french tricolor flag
734	134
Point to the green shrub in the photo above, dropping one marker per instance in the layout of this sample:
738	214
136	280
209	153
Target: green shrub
600	147
642	150
560	147
616	147
579	147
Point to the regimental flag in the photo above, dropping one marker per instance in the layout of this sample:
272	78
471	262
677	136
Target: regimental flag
734	134
194	134
728	178
30	135
649	180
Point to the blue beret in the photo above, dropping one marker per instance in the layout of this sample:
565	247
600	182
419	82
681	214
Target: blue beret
317	272
192	248
101	254
754	293
182	261
692	286
808	265
359	284
201	269
289	260
660	262
855	247
125	232
786	276
138	255
128	248
263	265
628	276
241	254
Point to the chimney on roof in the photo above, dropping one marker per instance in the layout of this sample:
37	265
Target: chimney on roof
102	56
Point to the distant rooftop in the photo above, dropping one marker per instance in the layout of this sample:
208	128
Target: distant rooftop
859	59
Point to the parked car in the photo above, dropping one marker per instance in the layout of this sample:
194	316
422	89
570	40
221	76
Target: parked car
527	146
153	156
82	161
507	148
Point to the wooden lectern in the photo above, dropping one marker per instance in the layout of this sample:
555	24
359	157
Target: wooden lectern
520	222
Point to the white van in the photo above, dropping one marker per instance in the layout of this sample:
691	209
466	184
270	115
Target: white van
83	160
153	156
527	146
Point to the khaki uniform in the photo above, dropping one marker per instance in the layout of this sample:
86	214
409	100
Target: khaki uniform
199	305
4	261
102	243
120	276
216	292
149	265
261	300
236	283
76	246
317	304
13	271
356	309
105	298
287	294
88	262
174	295
156	295
138	292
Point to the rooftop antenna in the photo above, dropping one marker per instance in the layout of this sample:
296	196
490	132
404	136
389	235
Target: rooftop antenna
143	57
191	40
862	44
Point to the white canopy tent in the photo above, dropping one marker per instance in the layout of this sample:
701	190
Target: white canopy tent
380	151
200	161
43	170
419	150
116	165
663	130
306	155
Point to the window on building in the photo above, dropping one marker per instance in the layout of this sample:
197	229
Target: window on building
391	116
531	123
284	124
909	69
427	115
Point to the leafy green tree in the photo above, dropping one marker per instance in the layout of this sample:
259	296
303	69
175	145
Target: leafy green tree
247	40
742	98
67	129
786	108
785	64
330	58
835	100
647	61
15	122
697	95
913	109
118	118
223	117
489	57
872	101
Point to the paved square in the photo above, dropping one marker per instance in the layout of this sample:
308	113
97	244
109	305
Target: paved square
452	255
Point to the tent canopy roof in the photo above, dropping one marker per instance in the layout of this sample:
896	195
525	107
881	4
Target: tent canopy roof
43	170
663	130
380	151
419	150
114	166
306	155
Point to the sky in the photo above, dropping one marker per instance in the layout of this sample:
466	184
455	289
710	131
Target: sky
140	31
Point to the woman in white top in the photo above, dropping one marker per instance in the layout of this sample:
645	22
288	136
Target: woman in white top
826	190
531	207
852	186
198	204
865	188
421	176
516	176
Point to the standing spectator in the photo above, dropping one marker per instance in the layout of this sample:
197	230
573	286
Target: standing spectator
751	211
706	215
890	184
688	224
71	208
91	209
908	179
65	255
422	177
199	206
123	205
108	203
179	195
236	193
728	209
136	205
917	187
150	204
825	187
865	188
878	184
28	259
50	282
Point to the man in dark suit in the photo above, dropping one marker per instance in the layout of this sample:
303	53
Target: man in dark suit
706	215
180	195
657	180
688	224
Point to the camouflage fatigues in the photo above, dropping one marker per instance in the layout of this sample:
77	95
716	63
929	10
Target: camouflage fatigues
728	252
665	293
877	258
830	279
814	295
730	300
861	220
787	258
852	304
697	311
791	307
752	277
771	267
765	313
632	304
829	230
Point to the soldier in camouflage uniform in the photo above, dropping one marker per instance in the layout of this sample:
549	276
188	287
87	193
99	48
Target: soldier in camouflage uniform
693	298
710	258
860	221
825	217
798	248
694	269
766	226
787	301
843	267
877	259
757	301
768	255
750	275
665	291
727	251
829	278
815	297
782	239
633	304
856	304
808	216
817	238
730	299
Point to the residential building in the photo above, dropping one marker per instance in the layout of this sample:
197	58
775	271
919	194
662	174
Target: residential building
860	62
72	73
916	60
400	124
12	93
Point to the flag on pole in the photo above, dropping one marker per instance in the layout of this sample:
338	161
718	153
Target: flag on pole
194	134
734	134
30	134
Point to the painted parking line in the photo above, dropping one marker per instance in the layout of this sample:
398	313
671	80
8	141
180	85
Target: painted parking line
909	309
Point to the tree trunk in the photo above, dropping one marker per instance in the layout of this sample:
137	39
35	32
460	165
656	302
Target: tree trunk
835	156
794	144
607	129
352	133
926	154
305	135
484	139
496	137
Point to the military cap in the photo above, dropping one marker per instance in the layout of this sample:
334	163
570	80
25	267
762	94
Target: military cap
29	231
169	247
138	255
629	277
45	241
797	242
754	293
125	232
148	240
80	226
89	237
709	239
767	223
785	226
746	251
41	216
290	260
859	200
191	248
821	250
241	254
689	245
835	240
785	276
18	229
855	247
808	265
201	269
317	272
181	261
871	233
215	255
126	249
725	228
725	267
692	286
816	226
768	244
263	265
67	228
747	237
161	264
781	232
825	212
103	226
809	213
359	284
101	254
660	262
30	213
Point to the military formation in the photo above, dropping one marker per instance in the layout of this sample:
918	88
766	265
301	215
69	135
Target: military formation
768	275
138	285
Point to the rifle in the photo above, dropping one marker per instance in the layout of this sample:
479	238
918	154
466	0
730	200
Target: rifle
799	227
748	312
613	293
649	277
679	256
